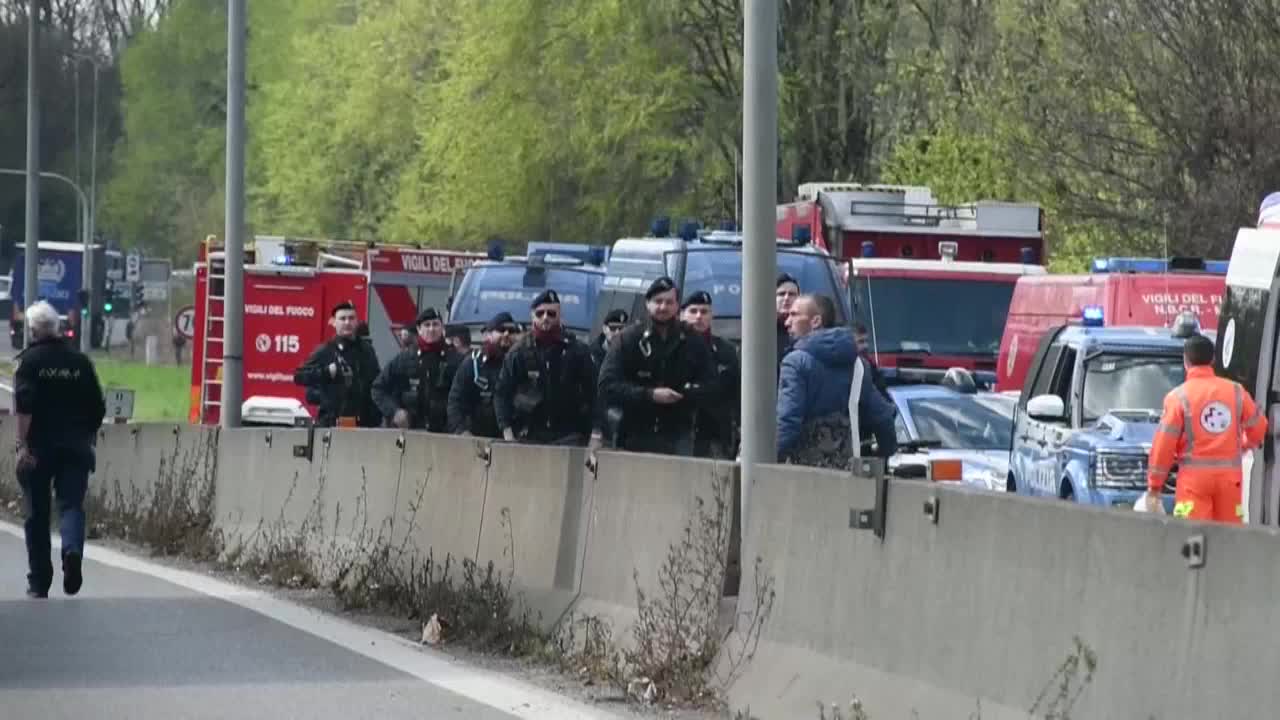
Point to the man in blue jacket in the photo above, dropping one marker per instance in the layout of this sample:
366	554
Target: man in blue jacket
816	392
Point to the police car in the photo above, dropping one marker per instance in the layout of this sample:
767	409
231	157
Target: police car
1089	409
952	421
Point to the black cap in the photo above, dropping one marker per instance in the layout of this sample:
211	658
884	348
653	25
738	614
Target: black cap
616	317
344	305
784	278
499	321
428	314
546	297
458	331
659	286
702	297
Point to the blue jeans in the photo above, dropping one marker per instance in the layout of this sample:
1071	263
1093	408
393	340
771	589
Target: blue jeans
69	478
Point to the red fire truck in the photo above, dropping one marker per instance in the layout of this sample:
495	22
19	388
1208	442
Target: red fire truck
290	285
931	283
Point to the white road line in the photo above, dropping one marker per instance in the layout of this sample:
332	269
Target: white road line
510	695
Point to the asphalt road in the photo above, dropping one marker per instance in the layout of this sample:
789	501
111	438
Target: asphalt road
143	641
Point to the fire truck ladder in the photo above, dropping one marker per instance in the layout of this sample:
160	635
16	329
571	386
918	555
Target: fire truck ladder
211	375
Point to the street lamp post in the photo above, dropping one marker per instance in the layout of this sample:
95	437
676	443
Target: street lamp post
233	295
32	172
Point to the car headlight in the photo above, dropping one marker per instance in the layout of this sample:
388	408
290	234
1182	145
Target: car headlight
985	478
1119	471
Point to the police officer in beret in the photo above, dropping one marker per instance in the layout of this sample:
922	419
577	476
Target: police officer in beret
339	374
546	391
412	391
613	324
716	431
608	418
660	373
471	406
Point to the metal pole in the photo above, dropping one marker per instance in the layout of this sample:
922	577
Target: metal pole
233	302
86	279
93	195
759	245
32	251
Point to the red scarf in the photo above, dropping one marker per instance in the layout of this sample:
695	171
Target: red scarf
430	347
547	338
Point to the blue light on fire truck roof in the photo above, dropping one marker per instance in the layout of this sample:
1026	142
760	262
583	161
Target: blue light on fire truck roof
283	260
1159	265
1092	316
868	248
1028	256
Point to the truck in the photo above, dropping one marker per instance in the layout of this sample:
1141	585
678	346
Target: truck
1089	409
1247	353
1140	292
61	281
930	283
290	287
711	261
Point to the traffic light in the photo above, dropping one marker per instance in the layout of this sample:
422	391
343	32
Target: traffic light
107	306
137	293
82	297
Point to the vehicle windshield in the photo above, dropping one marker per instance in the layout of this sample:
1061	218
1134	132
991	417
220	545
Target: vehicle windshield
967	422
718	271
904	314
486	291
1129	382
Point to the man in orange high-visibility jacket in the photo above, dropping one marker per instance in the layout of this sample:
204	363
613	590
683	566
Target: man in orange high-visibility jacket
1207	425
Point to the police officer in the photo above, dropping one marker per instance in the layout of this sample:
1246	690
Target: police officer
471	398
716	429
546	391
60	407
660	372
412	391
613	324
459	336
786	291
1207	425
339	374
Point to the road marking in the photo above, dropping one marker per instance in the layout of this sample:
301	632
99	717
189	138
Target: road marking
505	693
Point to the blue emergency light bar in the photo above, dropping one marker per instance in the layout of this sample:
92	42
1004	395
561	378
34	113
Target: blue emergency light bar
1158	265
689	231
1092	316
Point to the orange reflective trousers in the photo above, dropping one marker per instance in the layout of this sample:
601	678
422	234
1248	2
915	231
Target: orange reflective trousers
1207	425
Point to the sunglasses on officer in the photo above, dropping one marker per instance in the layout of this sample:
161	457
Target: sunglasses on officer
549	313
507	330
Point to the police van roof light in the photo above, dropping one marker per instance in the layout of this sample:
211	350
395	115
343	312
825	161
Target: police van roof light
661	227
801	234
689	231
596	255
1092	316
495	250
728	226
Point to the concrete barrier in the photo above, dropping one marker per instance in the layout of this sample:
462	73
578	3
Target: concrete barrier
640	507
116	457
535	524
355	493
251	462
982	607
442	490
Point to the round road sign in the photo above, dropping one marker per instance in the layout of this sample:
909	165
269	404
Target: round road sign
184	322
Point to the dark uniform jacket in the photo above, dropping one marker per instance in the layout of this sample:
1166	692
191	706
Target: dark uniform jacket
471	398
57	386
716	432
546	394
346	395
640	360
418	381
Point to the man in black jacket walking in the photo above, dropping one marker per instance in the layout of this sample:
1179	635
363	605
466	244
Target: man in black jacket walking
412	391
60	407
339	374
546	392
471	410
660	373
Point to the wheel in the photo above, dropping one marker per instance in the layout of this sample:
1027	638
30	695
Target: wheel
1067	492
1010	485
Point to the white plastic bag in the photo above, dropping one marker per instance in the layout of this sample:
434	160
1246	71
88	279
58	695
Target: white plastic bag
1141	504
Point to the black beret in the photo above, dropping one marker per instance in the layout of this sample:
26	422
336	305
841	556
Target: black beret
428	314
616	316
546	297
458	331
784	278
499	321
702	297
659	286
344	305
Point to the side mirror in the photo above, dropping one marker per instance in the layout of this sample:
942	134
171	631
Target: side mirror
1047	407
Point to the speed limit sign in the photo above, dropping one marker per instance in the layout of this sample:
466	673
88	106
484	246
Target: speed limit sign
184	323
